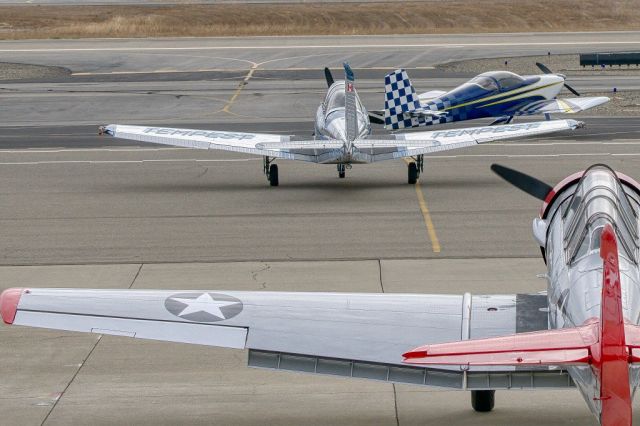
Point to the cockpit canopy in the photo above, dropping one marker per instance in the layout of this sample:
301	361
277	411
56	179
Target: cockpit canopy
336	98
600	199
498	81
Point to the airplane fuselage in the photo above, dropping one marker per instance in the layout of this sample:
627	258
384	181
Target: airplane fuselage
569	231
484	97
331	121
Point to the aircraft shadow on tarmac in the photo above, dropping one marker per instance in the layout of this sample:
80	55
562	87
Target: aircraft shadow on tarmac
344	186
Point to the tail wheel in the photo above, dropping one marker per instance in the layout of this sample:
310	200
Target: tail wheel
413	173
273	175
483	401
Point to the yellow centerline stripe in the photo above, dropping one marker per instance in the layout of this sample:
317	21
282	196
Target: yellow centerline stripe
243	83
431	230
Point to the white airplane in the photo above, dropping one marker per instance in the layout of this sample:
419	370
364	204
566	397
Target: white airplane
582	333
498	94
342	137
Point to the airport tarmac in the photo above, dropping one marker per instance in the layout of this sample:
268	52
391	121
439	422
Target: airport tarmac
79	210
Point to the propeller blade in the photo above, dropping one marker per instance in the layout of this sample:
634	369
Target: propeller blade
571	89
328	76
375	119
524	182
543	68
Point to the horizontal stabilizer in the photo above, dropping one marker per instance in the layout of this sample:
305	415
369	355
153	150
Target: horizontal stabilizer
317	144
427	113
549	347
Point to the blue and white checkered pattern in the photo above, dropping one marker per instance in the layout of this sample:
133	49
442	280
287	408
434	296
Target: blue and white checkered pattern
401	98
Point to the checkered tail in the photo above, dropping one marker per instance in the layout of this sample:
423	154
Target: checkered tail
400	98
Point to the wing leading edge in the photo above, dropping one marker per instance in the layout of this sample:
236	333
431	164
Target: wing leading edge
277	146
420	143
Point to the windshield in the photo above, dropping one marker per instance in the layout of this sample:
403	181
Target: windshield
487	83
502	80
335	98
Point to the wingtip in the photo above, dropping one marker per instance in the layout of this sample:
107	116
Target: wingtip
9	300
419	352
106	130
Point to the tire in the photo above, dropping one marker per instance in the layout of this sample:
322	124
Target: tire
413	174
273	175
483	401
342	174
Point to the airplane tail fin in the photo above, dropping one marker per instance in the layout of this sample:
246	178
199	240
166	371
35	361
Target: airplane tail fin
400	98
608	345
351	109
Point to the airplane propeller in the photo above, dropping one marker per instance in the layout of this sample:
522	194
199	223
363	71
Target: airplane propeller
546	70
328	76
524	182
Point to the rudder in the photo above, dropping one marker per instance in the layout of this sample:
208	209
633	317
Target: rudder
400	98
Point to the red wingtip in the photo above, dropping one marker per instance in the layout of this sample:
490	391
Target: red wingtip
416	353
9	300
608	245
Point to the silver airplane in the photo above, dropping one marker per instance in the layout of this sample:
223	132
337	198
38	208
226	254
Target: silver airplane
583	332
342	137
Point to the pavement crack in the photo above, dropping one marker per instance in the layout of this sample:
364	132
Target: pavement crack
64	391
254	275
136	276
395	403
380	274
204	172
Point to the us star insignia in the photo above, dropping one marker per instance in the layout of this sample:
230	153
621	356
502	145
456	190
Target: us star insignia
203	307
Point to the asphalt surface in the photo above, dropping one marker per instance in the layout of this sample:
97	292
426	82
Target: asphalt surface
79	210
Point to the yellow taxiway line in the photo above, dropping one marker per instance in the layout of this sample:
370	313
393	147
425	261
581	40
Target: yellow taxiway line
431	230
227	107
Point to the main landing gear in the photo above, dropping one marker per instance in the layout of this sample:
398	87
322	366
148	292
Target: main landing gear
271	171
342	170
414	169
483	400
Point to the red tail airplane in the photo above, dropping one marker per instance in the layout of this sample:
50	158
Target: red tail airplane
584	332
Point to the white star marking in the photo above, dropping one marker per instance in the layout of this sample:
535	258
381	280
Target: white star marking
204	303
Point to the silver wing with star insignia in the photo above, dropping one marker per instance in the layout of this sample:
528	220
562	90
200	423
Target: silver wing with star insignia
347	334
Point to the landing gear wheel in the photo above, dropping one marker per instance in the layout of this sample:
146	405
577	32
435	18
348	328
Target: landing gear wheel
273	175
413	173
341	171
483	401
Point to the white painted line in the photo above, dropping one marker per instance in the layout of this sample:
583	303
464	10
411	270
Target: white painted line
581	154
317	46
87	150
240	70
188	160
